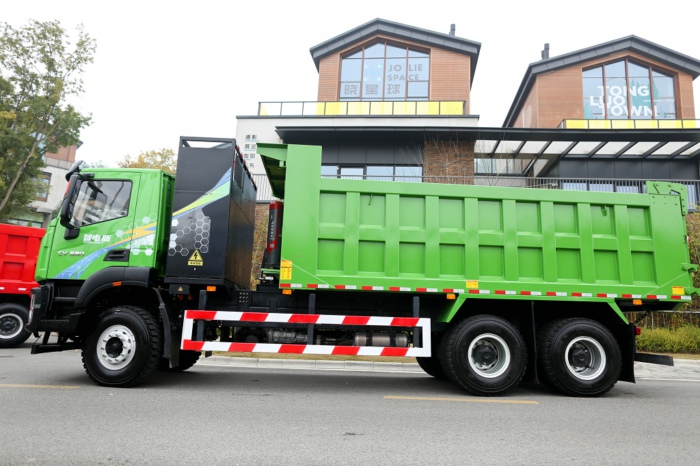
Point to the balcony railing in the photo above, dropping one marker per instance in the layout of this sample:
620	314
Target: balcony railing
567	184
630	124
421	108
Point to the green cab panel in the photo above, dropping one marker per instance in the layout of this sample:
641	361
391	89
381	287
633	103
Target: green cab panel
476	240
122	220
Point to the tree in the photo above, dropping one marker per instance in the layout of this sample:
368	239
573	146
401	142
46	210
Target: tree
39	72
163	159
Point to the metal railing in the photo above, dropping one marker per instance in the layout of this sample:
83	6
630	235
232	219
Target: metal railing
378	108
568	184
630	124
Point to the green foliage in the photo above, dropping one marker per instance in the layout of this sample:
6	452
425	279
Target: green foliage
164	159
39	71
684	339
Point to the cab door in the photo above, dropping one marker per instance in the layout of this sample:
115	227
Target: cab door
99	228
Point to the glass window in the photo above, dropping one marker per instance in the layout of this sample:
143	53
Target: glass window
411	174
385	72
99	201
379	172
628	90
352	172
329	171
42	193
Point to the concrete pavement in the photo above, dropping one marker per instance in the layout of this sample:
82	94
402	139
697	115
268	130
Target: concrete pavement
683	369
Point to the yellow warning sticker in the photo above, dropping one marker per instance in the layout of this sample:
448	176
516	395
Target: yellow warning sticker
195	259
678	290
286	270
472	283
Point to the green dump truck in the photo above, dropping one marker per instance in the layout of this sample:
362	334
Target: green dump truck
484	286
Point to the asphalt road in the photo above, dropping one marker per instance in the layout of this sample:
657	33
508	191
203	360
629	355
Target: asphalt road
250	412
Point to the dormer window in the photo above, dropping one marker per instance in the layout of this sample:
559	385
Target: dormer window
627	90
385	72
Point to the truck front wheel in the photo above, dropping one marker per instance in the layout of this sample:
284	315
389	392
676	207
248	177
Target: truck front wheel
124	348
485	355
578	357
13	317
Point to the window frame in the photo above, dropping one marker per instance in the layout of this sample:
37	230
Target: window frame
408	48
652	98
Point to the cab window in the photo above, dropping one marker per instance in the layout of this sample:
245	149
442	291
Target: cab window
101	200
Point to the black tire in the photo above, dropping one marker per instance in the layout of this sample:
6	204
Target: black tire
485	355
124	348
187	360
431	365
578	357
13	321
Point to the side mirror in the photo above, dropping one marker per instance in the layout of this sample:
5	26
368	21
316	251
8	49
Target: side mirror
69	202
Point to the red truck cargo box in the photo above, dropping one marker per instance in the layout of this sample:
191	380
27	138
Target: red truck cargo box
19	248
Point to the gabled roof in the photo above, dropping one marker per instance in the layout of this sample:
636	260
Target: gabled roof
400	31
668	57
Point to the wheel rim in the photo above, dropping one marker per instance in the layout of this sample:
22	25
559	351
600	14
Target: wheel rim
116	347
585	358
10	325
489	355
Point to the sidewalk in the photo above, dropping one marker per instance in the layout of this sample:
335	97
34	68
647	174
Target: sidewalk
684	369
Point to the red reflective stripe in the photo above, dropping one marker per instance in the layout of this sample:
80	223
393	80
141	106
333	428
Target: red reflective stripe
192	345
626	295
242	347
676	297
339	287
651	296
577	294
254	317
448	290
312	285
348	350
394	288
421	290
303	318
500	291
201	315
551	293
473	291
366	288
292	349
355	320
526	293
398	352
602	295
285	285
404	321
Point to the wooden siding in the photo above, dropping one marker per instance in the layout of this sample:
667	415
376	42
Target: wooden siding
450	72
558	95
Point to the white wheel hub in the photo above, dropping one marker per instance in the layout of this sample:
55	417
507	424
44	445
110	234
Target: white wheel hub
116	347
489	355
585	358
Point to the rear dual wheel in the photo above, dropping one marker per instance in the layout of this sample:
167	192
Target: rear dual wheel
485	355
578	357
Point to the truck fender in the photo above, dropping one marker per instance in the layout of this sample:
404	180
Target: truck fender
109	278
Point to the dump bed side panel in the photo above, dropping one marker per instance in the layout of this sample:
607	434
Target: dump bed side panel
358	234
19	247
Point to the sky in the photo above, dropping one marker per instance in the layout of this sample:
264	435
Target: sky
165	69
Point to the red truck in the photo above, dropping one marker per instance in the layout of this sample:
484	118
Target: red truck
19	248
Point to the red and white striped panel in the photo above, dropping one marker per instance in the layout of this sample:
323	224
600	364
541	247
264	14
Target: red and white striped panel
192	315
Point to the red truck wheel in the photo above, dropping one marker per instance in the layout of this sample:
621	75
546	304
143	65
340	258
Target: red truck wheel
124	348
578	357
13	319
485	355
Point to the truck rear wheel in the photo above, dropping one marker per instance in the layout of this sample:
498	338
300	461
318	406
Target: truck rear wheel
578	357
485	355
13	318
124	349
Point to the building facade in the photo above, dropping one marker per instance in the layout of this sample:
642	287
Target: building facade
394	102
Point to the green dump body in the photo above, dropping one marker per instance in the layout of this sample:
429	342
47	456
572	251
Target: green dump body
477	241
